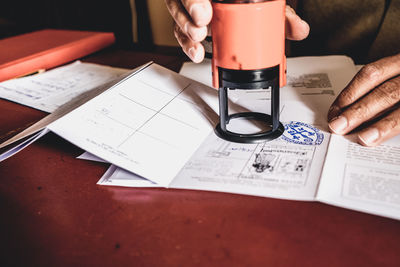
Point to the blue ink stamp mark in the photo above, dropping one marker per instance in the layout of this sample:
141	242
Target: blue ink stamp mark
303	134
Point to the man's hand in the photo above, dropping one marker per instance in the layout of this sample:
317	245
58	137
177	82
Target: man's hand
192	18
373	93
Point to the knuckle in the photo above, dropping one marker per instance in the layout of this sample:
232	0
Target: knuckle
394	89
172	7
346	97
389	92
179	35
357	112
389	124
177	12
370	72
176	28
177	15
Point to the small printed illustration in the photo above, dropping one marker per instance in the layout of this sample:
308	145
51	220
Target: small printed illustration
280	164
312	80
300	165
263	162
308	82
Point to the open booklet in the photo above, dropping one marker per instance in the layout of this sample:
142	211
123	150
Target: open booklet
159	125
329	168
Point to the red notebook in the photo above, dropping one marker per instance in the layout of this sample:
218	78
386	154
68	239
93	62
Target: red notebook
27	53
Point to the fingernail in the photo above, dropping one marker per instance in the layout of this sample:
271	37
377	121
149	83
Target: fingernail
198	12
369	136
197	34
338	125
194	54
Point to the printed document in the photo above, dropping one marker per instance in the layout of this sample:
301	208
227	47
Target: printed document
49	90
345	177
281	168
362	178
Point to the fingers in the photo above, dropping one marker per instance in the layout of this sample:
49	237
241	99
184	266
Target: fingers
378	101
382	130
200	11
371	93
193	16
195	51
191	20
296	28
369	77
183	20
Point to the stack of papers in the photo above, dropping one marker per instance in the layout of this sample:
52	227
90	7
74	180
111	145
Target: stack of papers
156	129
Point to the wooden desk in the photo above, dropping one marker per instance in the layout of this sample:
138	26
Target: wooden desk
54	214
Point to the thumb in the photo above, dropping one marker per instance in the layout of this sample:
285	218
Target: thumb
296	28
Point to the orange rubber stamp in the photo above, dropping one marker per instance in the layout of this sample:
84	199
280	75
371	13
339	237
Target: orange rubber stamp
248	53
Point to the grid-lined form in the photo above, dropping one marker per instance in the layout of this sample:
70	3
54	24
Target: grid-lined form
149	124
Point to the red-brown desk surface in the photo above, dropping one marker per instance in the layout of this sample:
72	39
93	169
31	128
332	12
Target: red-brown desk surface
54	214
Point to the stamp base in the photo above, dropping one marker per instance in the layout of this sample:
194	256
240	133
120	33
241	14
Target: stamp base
250	138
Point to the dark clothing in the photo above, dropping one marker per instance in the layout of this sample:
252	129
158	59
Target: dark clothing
364	30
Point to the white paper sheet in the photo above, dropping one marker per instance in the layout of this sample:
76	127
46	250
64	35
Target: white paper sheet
149	124
89	156
366	179
49	90
119	177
